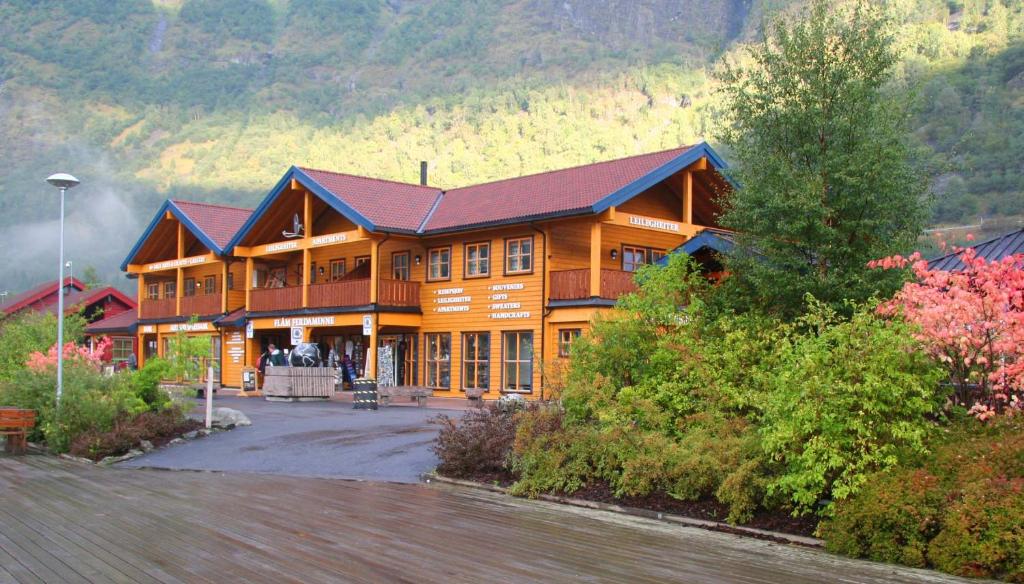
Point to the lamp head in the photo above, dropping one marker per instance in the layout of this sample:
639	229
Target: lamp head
62	180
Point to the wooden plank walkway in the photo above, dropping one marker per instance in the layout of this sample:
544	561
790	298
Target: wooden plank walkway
65	522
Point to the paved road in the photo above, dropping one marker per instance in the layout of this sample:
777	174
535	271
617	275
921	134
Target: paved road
66	522
320	439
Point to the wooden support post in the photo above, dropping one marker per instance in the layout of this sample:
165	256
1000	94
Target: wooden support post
248	282
224	286
547	264
595	259
307	221
374	270
688	197
142	294
305	278
180	287
181	240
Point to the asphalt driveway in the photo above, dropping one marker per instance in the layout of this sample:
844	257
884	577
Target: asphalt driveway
316	439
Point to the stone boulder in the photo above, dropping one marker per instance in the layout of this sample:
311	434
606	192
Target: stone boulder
229	418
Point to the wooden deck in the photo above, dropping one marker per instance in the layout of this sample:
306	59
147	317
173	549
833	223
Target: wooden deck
65	522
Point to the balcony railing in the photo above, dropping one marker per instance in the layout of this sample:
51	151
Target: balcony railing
203	304
575	284
287	298
343	293
398	293
159	307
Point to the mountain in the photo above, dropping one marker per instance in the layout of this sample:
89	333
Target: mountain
215	99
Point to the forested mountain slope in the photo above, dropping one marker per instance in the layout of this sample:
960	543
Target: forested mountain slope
214	99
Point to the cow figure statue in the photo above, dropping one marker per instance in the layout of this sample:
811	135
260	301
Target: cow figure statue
305	355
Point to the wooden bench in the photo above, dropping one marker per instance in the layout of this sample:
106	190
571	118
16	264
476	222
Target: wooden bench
420	394
475	396
15	423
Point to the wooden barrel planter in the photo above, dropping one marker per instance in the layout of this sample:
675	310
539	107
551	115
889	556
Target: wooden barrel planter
298	383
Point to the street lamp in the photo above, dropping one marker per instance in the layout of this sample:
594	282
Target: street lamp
71	269
63	182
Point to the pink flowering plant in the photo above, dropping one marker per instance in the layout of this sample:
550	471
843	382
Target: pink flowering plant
74	354
971	321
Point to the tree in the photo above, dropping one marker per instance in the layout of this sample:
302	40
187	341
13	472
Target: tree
972	322
824	162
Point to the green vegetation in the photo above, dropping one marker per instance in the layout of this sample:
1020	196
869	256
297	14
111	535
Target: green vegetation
214	100
813	131
959	508
32	332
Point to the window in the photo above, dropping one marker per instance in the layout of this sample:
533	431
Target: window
190	286
439	359
231	281
337	269
259	277
519	255
518	361
121	349
362	260
400	265
170	289
152	291
439	264
478	260
476	352
565	339
210	285
633	257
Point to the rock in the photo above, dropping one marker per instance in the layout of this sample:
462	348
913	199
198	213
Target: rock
76	458
190	435
205	431
227	418
116	459
146	445
177	441
511	402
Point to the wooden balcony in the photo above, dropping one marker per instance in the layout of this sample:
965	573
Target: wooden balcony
575	284
287	298
342	293
203	304
159	308
398	293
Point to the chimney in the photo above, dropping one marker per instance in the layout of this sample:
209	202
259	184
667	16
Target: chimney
423	172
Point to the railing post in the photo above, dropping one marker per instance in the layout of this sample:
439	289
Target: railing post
374	270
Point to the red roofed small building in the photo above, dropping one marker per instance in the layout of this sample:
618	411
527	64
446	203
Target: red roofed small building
99	307
469	289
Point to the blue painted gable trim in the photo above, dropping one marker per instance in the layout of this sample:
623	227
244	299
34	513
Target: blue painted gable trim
316	188
661	173
181	216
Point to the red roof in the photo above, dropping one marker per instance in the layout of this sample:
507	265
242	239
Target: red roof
120	322
77	298
28	297
218	222
387	204
556	191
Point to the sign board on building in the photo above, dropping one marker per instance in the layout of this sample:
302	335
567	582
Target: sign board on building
250	330
367	325
297	334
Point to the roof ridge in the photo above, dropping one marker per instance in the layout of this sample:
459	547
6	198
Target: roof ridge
578	166
205	204
359	176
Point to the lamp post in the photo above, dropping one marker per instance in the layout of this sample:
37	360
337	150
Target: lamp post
63	182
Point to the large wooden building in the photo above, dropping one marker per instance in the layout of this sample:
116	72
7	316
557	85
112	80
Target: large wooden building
475	287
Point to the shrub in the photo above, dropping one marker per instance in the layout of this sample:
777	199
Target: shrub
90	402
478	444
892	519
848	397
959	508
145	383
128	431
